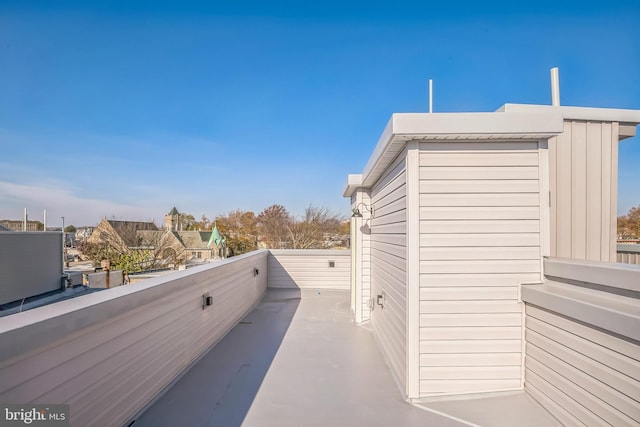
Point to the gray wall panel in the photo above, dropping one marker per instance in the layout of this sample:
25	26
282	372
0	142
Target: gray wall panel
30	264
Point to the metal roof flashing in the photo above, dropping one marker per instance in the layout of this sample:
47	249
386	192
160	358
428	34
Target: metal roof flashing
629	117
451	127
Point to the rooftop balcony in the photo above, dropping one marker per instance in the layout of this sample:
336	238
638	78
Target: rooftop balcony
278	346
479	290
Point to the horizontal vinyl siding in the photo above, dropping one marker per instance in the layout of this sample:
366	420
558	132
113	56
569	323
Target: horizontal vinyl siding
388	267
309	268
586	375
479	239
109	354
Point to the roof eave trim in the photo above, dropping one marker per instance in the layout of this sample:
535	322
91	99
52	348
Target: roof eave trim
354	181
403	127
579	113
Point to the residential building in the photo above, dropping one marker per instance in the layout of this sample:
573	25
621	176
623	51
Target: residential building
20	225
481	279
172	245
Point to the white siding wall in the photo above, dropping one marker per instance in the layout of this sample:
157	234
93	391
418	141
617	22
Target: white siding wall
309	268
583	353
388	266
361	255
480	237
584	188
110	353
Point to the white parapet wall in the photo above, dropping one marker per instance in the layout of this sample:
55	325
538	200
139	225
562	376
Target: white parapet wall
628	254
309	268
582	333
110	353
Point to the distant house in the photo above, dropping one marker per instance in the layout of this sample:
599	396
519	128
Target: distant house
172	245
120	234
191	246
83	233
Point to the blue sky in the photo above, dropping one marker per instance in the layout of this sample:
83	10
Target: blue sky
128	108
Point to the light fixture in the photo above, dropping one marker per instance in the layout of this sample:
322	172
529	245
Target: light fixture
355	213
380	299
207	300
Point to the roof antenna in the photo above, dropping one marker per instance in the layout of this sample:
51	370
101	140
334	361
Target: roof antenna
430	95
555	87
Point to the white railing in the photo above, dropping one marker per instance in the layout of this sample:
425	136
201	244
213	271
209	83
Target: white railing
110	353
628	253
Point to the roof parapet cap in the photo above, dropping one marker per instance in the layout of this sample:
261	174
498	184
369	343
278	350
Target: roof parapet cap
354	181
578	113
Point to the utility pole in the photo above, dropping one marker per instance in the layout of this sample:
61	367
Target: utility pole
64	246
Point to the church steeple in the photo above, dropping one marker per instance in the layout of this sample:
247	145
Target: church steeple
172	220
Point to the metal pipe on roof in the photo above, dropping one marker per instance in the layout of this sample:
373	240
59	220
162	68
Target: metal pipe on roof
430	95
555	87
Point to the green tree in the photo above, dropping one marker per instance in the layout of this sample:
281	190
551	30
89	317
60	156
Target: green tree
69	229
189	223
240	228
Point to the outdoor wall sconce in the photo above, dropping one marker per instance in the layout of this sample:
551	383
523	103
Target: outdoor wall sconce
207	300
255	272
380	300
356	212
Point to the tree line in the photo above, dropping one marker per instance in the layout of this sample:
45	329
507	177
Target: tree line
629	224
276	228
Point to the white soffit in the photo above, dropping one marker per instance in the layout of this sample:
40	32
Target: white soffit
507	126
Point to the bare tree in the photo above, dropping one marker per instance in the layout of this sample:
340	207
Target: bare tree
315	229
130	246
629	224
273	226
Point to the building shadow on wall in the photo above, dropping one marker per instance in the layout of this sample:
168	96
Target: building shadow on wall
221	387
278	276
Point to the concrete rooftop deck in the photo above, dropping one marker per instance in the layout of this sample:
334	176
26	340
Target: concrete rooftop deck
298	360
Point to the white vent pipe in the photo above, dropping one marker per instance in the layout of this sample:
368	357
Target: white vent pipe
555	87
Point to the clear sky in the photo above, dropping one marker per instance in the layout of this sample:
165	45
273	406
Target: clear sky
127	108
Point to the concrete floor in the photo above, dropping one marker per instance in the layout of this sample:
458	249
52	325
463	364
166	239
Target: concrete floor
298	360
